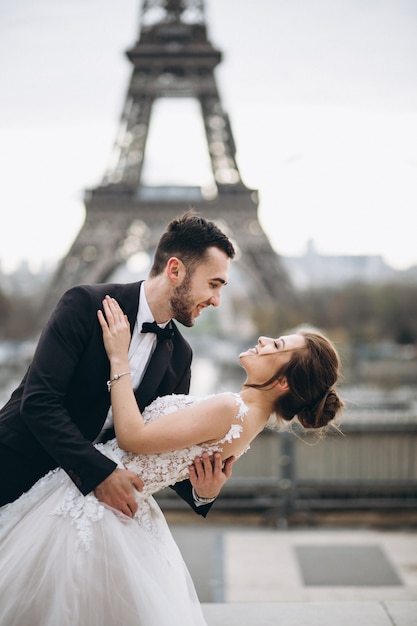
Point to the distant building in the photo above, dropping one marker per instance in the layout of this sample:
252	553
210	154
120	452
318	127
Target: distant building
316	270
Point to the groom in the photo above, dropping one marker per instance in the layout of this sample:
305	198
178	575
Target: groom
62	404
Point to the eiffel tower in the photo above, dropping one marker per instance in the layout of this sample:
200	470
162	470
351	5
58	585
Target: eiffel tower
172	58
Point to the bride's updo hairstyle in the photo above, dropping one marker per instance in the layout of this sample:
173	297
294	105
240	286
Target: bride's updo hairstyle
311	373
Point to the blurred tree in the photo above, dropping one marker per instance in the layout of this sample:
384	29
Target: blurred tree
5	312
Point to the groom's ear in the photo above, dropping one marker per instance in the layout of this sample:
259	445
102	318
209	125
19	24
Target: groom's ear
175	269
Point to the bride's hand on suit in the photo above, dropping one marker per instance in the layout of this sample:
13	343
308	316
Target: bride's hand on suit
116	330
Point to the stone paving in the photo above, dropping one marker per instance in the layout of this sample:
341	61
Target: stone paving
252	576
303	614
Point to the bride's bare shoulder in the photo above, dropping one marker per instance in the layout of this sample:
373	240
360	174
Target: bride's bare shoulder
228	403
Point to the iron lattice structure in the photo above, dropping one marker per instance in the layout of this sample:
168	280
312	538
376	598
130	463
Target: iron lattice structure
172	58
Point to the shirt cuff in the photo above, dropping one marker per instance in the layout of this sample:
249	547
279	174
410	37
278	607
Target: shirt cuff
198	501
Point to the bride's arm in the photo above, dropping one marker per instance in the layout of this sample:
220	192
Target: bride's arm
208	420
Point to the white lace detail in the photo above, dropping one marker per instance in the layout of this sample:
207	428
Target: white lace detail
83	511
156	470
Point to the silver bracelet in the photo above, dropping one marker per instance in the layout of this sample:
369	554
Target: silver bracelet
115	379
199	500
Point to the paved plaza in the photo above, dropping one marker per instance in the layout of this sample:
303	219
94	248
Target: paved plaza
256	576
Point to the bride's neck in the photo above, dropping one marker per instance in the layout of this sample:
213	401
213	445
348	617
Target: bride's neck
260	401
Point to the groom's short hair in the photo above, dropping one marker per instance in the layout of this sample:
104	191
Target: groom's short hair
188	238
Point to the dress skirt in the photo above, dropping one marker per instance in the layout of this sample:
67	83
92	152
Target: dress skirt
68	560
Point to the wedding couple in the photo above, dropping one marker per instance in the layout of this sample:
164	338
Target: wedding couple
82	541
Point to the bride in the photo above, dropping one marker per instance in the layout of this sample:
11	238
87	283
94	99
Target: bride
69	560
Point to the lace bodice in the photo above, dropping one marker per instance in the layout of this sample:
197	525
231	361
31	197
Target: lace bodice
156	470
162	470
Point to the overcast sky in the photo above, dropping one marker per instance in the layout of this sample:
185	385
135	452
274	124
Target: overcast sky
322	96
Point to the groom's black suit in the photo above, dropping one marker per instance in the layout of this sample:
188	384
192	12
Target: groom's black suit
62	402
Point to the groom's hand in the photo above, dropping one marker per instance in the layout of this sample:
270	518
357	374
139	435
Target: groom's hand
209	474
116	491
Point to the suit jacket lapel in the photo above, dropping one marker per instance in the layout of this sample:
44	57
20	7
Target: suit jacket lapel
161	356
129	298
154	373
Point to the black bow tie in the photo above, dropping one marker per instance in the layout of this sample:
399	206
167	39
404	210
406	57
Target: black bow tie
161	333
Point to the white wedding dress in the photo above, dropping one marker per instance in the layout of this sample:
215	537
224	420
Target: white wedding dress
68	560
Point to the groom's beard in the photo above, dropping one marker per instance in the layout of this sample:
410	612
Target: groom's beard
182	304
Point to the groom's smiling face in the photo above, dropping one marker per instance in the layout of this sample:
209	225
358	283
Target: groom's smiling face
201	289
